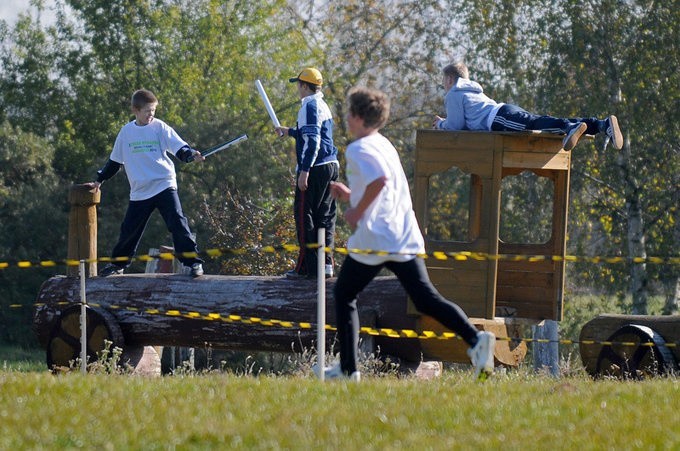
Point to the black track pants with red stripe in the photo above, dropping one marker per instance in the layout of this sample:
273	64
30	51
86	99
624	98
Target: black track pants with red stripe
315	209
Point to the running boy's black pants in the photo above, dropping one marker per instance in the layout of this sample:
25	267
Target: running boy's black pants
354	277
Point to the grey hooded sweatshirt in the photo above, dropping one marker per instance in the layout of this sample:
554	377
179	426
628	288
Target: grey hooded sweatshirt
468	108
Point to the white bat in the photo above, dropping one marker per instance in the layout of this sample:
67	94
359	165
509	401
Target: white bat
267	104
223	146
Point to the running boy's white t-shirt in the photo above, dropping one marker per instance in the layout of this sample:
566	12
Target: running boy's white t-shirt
142	151
389	223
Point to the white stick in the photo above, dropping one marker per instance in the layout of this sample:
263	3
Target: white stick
267	104
321	303
83	320
225	145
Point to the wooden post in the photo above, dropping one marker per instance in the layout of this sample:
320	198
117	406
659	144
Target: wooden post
82	228
546	355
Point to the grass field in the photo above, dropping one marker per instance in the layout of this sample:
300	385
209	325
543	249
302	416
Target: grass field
21	359
516	410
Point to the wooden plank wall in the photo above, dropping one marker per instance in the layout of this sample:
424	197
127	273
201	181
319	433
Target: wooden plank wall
531	290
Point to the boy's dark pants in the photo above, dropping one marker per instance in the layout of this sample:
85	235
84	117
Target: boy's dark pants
137	216
514	118
315	209
354	277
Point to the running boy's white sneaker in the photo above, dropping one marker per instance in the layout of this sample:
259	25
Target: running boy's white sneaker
482	355
334	372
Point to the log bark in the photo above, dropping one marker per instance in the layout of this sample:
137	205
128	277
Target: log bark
143	304
134	299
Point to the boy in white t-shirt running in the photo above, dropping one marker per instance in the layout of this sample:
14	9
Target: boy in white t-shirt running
142	147
382	217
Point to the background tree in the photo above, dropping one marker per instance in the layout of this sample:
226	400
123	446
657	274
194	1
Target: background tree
392	45
29	209
65	88
598	57
70	84
200	58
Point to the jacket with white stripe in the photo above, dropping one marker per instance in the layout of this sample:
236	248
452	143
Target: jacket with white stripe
313	134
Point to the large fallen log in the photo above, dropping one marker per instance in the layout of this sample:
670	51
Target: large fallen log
630	346
177	310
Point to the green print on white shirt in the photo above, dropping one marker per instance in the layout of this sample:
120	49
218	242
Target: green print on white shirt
146	153
144	146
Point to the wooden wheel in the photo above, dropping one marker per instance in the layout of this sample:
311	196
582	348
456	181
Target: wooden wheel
637	352
63	346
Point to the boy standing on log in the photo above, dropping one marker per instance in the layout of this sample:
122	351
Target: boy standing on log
468	108
142	146
317	167
382	216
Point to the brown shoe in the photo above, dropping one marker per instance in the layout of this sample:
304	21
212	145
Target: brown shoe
573	135
613	132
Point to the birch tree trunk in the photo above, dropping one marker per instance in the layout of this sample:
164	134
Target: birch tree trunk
672	291
671	280
635	236
636	248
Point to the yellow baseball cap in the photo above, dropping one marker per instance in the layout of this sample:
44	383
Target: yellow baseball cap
309	75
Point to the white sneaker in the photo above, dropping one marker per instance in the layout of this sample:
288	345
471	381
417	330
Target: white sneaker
329	271
111	270
573	135
196	270
482	355
334	372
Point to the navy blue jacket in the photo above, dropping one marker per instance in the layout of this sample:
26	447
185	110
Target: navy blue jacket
313	134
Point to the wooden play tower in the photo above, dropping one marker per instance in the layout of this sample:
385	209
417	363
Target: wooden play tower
487	287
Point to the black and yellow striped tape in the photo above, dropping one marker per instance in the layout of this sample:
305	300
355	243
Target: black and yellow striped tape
381	332
458	256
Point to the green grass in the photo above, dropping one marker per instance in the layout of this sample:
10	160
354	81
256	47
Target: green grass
514	410
15	358
214	411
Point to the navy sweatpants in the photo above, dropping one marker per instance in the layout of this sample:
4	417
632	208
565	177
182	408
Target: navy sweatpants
137	216
513	118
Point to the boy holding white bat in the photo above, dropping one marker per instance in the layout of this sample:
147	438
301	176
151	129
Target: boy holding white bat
142	147
317	166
